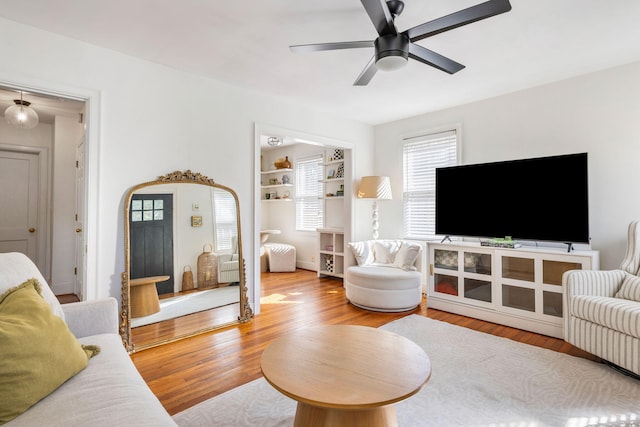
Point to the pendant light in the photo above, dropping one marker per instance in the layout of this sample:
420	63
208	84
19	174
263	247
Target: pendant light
274	141
21	114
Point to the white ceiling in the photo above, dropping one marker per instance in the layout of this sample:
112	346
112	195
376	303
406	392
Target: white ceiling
245	43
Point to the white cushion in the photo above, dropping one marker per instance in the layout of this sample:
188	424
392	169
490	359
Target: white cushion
406	256
383	276
630	288
384	251
16	268
614	313
108	392
362	251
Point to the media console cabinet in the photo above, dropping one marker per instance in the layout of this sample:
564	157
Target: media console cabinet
519	287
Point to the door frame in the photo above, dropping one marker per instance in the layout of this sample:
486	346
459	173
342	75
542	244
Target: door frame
302	137
91	97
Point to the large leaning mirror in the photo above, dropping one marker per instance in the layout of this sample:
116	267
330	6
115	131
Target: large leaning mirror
184	269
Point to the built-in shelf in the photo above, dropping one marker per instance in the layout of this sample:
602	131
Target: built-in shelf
273	184
331	252
276	171
288	199
276	185
333	162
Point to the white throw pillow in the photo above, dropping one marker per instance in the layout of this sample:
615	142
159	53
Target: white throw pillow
385	250
630	288
16	268
407	256
362	251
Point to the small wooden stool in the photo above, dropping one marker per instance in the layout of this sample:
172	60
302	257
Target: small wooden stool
144	295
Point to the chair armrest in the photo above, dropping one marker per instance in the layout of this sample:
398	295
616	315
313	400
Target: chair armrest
604	283
222	258
93	317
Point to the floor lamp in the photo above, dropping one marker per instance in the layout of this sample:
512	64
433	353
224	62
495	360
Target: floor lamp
376	188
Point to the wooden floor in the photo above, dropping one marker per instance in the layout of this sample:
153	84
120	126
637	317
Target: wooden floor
192	370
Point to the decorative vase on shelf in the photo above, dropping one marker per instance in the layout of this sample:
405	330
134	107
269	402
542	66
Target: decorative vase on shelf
282	163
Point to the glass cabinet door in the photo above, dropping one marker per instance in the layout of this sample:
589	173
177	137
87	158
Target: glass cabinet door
445	259
518	268
552	271
552	303
445	284
477	289
475	262
519	298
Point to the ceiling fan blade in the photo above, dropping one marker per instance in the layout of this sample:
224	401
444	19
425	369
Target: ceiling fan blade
457	19
367	74
381	17
300	48
434	59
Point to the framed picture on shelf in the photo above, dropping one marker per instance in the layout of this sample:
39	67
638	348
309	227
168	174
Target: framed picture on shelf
331	173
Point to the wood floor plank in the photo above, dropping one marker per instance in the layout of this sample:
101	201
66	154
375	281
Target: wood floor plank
192	370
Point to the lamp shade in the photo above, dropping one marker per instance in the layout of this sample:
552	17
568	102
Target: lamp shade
375	187
21	115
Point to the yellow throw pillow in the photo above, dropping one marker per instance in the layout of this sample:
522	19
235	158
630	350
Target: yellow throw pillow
38	352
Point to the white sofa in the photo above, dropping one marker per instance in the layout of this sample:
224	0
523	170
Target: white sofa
109	391
602	309
387	277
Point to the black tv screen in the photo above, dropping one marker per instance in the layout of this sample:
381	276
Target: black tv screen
544	198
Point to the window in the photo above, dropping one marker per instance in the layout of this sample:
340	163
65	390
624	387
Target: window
309	213
421	156
147	210
224	212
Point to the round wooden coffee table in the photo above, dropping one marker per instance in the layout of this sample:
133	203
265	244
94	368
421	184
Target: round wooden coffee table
144	295
345	375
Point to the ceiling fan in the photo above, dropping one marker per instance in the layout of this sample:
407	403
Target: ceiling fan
393	48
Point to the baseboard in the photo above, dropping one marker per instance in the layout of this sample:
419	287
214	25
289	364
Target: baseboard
311	266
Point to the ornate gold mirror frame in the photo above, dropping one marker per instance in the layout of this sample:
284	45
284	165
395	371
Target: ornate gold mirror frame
243	315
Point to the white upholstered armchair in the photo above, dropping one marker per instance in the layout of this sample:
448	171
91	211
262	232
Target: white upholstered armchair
602	308
228	265
228	268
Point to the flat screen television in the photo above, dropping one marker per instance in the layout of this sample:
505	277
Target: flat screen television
540	199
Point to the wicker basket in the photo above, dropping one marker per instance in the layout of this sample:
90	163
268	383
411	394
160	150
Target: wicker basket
187	278
207	268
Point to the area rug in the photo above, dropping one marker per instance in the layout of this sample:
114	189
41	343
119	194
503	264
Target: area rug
477	380
194	302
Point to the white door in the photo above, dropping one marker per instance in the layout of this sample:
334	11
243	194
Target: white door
19	199
80	241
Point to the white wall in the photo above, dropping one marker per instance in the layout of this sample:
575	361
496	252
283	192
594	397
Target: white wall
596	113
154	120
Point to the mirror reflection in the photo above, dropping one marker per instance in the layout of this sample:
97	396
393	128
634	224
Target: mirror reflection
184	267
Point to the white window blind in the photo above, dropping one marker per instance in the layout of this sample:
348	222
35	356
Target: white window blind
226	227
309	207
421	156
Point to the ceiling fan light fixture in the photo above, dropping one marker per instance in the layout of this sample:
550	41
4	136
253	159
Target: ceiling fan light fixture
391	63
392	52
